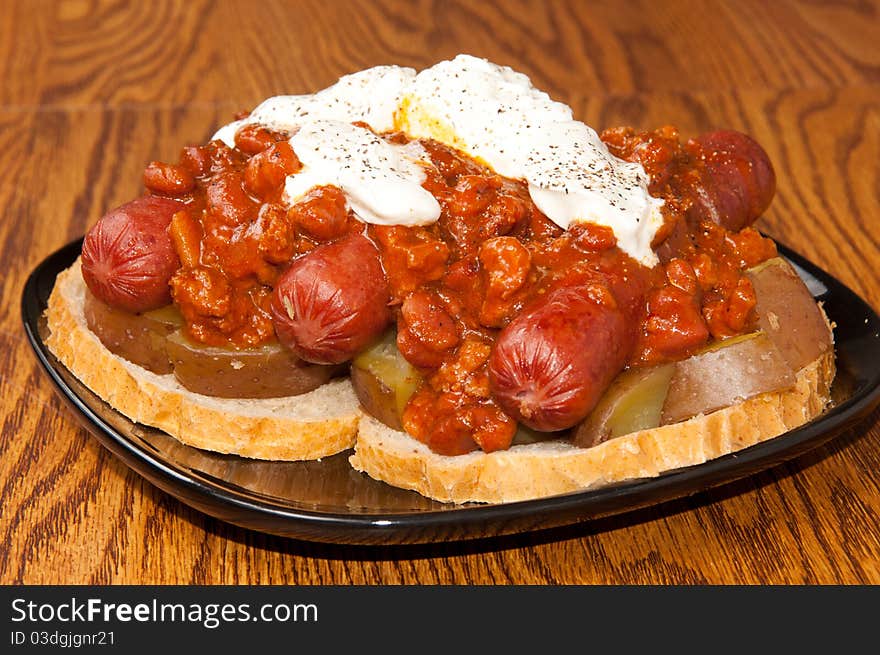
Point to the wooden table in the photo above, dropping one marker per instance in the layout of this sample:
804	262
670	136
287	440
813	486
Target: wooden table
92	91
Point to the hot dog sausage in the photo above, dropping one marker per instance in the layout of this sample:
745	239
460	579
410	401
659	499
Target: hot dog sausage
128	257
551	364
333	301
739	180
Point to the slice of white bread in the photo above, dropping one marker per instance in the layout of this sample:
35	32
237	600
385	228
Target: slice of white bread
309	426
556	467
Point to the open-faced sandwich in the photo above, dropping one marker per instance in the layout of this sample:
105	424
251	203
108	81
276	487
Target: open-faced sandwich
445	271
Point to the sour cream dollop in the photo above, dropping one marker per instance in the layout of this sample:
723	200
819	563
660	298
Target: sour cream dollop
382	181
371	96
492	113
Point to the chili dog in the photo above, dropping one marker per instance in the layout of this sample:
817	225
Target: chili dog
526	281
549	366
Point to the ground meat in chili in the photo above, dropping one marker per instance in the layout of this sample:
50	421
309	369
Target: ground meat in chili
456	283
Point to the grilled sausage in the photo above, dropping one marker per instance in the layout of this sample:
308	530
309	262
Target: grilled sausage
332	302
551	364
739	180
128	257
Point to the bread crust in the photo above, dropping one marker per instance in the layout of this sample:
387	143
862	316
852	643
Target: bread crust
310	426
556	467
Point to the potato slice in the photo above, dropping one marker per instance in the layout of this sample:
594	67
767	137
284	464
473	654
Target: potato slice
377	399
269	371
384	381
720	375
154	340
787	313
792	334
139	338
525	435
723	374
633	402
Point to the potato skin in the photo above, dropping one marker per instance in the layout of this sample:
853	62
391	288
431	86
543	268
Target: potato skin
128	257
139	338
634	401
788	314
791	334
725	375
377	399
267	371
154	341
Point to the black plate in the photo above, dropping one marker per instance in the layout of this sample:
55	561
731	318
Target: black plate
329	501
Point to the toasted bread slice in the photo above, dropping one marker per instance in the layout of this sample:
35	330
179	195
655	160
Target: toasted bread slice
555	467
309	426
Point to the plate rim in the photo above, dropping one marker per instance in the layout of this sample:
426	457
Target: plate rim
470	519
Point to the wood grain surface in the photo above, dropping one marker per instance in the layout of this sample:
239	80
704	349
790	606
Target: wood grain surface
91	91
